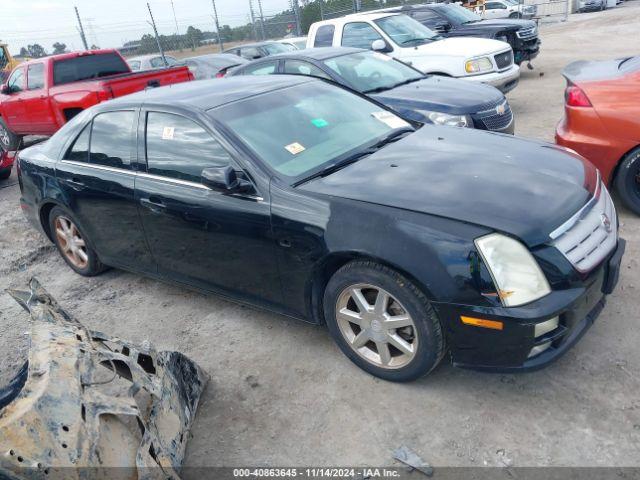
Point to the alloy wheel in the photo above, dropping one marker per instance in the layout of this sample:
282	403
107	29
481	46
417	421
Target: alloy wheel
4	138
376	326
71	242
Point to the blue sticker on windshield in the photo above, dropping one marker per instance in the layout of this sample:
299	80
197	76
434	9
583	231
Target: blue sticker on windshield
320	122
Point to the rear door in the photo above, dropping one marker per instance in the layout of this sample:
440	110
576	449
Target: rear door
97	175
198	236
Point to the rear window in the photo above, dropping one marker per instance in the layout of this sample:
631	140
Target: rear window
88	67
324	36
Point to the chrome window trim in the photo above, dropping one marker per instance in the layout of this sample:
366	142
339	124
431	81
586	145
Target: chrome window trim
99	167
580	214
177	181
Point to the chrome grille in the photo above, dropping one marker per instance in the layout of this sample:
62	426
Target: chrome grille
590	235
504	59
527	33
492	119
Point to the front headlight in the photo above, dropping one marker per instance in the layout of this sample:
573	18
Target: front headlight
440	118
477	65
515	272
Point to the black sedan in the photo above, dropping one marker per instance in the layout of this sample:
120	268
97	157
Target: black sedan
301	197
411	93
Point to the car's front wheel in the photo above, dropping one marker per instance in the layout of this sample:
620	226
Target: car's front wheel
627	180
9	141
73	245
383	322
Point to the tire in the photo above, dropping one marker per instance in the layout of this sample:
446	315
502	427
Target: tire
5	173
514	15
421	331
627	181
86	263
9	141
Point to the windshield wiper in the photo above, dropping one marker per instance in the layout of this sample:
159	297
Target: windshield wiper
410	40
334	167
391	87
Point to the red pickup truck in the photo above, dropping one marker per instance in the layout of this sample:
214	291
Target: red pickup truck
42	95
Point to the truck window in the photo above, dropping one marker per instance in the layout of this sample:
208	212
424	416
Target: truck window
360	35
179	148
112	140
324	36
87	67
16	80
35	76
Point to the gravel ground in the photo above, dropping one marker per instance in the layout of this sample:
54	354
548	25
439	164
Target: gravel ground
283	394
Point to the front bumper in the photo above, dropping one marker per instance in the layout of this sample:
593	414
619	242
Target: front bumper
526	51
508	350
504	81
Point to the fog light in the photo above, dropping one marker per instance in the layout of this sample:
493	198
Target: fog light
537	350
546	327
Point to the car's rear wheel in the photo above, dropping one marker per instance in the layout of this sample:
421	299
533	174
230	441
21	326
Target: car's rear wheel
627	182
383	322
9	141
73	245
5	173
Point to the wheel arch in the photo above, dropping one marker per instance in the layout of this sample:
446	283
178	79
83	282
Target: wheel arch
329	265
44	213
616	169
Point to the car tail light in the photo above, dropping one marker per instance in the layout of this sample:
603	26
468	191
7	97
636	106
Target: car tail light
575	97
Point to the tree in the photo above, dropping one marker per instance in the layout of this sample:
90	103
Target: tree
195	36
36	50
225	33
59	48
94	47
24	52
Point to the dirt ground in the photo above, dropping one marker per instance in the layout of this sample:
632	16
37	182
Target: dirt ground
283	394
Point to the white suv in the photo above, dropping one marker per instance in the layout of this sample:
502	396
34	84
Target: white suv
506	9
403	38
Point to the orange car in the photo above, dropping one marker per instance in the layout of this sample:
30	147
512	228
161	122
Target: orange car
602	121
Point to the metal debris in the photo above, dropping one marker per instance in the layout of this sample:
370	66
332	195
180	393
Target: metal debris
411	458
87	400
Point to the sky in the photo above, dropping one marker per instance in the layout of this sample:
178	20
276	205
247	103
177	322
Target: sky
110	23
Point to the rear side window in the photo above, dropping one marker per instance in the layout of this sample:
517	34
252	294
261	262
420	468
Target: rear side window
35	76
180	148
112	140
135	64
324	36
79	151
87	67
360	35
264	68
250	53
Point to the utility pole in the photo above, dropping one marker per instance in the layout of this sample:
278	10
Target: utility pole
175	19
215	17
155	31
81	30
321	3
253	20
296	13
261	20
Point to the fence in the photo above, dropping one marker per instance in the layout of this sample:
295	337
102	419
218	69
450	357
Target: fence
158	26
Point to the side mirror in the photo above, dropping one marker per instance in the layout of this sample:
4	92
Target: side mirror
224	179
5	89
379	46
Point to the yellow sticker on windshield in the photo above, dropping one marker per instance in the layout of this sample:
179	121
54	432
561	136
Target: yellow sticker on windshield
294	148
390	120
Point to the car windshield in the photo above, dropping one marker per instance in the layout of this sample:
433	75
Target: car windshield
304	129
371	71
274	48
406	31
459	15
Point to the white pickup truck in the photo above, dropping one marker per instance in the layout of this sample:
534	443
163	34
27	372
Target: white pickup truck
403	38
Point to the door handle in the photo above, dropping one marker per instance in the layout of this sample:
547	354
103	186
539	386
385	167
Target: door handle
155	204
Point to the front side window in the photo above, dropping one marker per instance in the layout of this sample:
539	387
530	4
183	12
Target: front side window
299	130
264	68
359	35
299	67
250	53
16	80
112	139
405	31
324	36
495	6
35	76
180	148
368	71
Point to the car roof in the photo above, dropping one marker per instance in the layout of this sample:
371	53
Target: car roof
256	44
214	56
318	53
147	57
372	15
291	39
208	94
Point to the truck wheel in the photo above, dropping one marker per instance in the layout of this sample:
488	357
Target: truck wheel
5	173
383	322
9	141
73	244
627	182
514	15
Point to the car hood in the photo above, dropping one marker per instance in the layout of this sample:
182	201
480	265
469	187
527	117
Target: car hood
442	94
462	47
506	23
520	187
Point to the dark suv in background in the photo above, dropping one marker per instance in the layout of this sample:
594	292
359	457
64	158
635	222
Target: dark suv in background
452	20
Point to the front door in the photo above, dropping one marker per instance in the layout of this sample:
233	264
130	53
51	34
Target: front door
98	180
13	103
36	102
198	236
